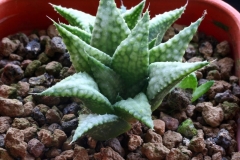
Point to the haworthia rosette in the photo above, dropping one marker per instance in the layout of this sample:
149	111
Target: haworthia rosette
136	108
130	60
174	48
108	81
100	127
109	29
163	76
132	15
83	35
80	50
81	85
76	18
116	54
160	23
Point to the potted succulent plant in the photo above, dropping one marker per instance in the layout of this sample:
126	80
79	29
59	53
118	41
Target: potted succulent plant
112	105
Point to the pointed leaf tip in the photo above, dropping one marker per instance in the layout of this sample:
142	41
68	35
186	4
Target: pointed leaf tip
75	17
132	15
174	48
109	29
136	108
161	22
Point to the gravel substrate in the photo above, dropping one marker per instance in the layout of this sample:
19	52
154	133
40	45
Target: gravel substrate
41	127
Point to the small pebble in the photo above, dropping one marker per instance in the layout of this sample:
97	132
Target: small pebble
170	123
11	73
71	108
206	49
115	144
8	46
172	139
187	128
35	147
33	48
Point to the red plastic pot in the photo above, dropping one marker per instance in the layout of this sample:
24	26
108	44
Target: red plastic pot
222	20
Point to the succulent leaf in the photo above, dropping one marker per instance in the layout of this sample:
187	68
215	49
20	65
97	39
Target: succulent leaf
80	50
131	58
136	108
189	82
174	48
108	81
199	91
100	127
83	35
151	44
76	18
81	85
109	29
163	76
160	23
132	15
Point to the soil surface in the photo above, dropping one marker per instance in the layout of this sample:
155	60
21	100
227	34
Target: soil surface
41	127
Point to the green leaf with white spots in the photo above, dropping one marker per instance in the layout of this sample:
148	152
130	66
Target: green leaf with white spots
108	81
174	48
164	76
83	35
136	108
132	15
130	60
160	23
190	82
109	29
201	90
80	50
100	127
82	86
76	18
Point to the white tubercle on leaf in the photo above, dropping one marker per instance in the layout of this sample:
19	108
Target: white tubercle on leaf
100	127
136	108
131	58
109	28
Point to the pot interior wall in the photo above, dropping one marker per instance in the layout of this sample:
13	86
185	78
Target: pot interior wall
222	21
